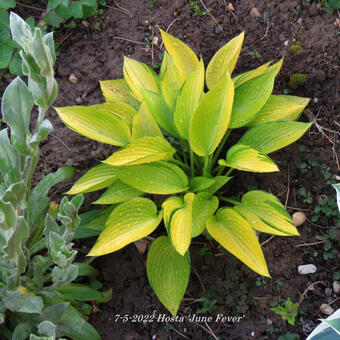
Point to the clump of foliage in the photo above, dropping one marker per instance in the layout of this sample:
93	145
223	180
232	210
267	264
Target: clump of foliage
56	13
296	80
172	133
288	311
37	290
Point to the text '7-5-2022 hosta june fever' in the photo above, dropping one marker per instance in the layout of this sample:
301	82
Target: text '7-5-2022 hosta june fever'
172	128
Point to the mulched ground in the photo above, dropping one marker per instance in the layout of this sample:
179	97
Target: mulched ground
94	51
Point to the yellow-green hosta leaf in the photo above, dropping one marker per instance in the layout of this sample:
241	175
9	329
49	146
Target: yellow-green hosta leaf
171	80
99	177
165	61
116	90
242	78
245	158
220	181
169	207
256	223
249	99
204	206
276	67
121	109
269	209
118	192
181	225
168	273
139	76
155	178
224	61
182	55
144	124
235	234
98	124
280	107
142	150
272	136
188	100
201	183
211	118
160	111
128	222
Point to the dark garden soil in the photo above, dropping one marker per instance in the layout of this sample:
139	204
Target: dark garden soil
94	51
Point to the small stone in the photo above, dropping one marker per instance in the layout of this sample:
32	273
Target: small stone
306	269
326	309
336	287
79	101
337	178
269	322
299	218
286	43
85	23
255	13
328	291
231	7
72	78
155	41
315	100
299	21
218	29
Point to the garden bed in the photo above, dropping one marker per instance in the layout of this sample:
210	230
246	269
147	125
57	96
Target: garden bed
94	51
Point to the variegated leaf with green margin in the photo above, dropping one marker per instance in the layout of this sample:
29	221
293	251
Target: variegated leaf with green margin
245	158
235	234
204	206
160	111
99	177
188	100
116	90
224	61
220	181
256	223
244	77
165	61
118	192
155	178
121	109
211	118
280	107
168	273
171	80
144	124
272	136
182	55
142	150
249	99
200	183
139	76
129	222
169	207
98	124
181	225
270	210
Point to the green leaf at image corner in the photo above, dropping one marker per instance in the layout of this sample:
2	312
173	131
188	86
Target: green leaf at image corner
5	4
51	18
168	273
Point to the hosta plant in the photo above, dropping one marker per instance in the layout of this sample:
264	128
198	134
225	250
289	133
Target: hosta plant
40	293
172	130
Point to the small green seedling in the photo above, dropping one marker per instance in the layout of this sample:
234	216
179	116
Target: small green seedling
288	311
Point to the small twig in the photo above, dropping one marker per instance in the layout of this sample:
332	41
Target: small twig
233	14
199	279
131	41
178	332
171	23
121	9
288	186
64	38
267	29
310	244
206	329
61	141
212	333
211	16
266	241
320	226
31	7
308	288
300	209
334	300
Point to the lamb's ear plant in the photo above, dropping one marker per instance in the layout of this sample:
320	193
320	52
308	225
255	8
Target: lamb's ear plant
173	130
39	298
